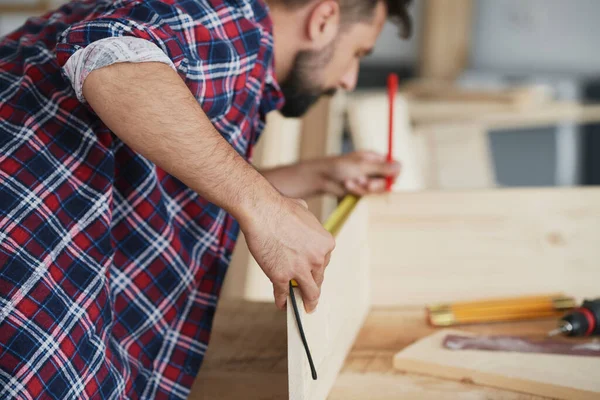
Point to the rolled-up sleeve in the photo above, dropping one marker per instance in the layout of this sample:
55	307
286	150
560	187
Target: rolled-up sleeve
109	51
97	43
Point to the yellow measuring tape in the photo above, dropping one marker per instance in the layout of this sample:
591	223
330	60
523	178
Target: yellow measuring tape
336	220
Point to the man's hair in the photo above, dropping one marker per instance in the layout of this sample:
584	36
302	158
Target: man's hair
362	10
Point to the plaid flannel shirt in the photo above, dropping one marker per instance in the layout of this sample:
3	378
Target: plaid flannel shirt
110	269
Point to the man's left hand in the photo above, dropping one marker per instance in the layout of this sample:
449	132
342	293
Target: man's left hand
359	173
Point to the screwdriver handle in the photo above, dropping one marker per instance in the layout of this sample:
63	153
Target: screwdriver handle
582	321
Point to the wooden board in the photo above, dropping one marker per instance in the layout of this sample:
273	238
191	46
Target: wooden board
446	37
486	243
368	372
19	6
343	306
247	357
279	143
559	376
435	90
368	121
247	354
322	136
458	157
500	116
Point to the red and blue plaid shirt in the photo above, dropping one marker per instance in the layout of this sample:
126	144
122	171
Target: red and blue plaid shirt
110	268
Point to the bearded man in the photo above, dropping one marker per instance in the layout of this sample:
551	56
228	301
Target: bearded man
125	132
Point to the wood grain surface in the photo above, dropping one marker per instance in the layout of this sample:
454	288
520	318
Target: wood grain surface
561	376
446	246
247	357
344	304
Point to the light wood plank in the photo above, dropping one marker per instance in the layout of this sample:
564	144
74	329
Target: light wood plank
500	116
514	97
279	143
446	37
459	156
486	243
559	376
343	306
368	119
394	386
34	7
247	355
246	358
322	136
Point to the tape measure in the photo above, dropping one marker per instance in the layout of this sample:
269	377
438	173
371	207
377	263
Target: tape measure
336	220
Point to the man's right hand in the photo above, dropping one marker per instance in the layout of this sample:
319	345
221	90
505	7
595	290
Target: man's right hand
288	242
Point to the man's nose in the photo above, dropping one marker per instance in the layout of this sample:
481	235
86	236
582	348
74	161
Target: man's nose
348	81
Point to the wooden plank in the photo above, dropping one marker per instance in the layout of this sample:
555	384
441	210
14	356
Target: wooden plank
558	376
394	386
487	243
368	119
322	136
33	7
446	41
500	116
279	143
343	306
459	156
551	114
247	357
434	90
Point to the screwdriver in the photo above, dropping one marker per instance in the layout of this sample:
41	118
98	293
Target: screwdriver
582	321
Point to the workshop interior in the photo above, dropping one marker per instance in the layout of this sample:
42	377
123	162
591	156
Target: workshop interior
474	274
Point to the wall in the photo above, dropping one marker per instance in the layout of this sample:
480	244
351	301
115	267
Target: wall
393	50
555	36
12	21
550	41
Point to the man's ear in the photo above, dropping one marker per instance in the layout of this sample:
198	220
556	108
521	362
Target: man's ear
323	23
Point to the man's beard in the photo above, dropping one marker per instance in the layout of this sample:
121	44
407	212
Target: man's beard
302	88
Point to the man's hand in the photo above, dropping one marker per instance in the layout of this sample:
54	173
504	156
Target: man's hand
360	173
288	243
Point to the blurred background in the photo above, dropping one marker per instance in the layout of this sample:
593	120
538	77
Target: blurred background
513	42
495	44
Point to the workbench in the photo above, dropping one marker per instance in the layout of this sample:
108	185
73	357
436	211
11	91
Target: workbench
487	244
247	357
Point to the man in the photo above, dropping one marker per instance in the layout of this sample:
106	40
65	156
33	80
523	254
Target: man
124	133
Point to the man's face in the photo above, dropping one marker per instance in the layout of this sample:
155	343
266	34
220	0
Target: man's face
318	73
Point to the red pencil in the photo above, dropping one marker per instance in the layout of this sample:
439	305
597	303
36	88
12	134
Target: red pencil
392	85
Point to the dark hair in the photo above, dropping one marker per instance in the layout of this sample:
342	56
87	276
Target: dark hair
360	10
398	13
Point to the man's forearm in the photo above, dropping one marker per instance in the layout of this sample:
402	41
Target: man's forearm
299	181
149	107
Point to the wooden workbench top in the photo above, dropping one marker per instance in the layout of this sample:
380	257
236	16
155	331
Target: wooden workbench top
247	357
